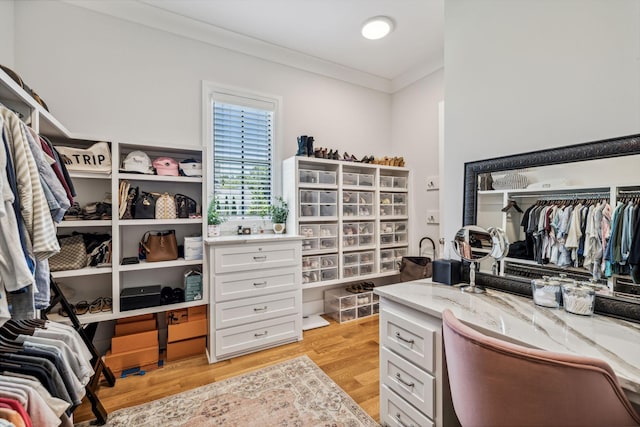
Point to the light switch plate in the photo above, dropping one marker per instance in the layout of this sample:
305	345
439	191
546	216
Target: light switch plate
433	182
433	217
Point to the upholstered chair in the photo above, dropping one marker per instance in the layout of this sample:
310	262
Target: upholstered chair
497	383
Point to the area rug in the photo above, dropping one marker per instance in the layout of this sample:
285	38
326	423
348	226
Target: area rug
292	393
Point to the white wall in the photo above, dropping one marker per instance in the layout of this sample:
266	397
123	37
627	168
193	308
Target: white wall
528	75
108	77
414	130
7	34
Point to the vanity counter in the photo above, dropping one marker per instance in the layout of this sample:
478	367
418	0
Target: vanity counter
519	320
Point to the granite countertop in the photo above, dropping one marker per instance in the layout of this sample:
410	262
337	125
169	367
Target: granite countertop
250	238
518	319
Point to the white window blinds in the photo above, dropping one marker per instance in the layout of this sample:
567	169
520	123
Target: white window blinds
242	155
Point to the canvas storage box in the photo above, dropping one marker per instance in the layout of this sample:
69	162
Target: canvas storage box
193	248
96	158
140	297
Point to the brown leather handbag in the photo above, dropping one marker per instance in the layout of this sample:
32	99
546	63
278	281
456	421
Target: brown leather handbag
160	245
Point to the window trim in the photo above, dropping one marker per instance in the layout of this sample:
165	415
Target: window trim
223	93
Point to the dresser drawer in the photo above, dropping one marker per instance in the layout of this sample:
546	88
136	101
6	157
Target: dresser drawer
256	257
251	310
395	412
409	339
255	283
254	336
411	383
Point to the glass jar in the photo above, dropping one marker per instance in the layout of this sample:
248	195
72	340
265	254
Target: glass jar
547	292
578	299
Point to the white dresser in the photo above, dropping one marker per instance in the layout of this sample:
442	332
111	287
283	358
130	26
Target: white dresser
255	293
414	389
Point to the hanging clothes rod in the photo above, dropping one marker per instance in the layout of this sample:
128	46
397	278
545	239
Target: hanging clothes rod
558	196
628	192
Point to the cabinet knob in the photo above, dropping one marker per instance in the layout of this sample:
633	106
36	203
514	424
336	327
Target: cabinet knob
401	422
399	378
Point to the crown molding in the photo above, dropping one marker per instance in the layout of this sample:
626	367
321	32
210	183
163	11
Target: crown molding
159	19
415	73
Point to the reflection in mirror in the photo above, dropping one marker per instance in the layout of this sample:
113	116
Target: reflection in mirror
472	244
500	248
573	178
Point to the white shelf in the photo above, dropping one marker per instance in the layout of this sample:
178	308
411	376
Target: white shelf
159	178
143	265
87	271
84	318
317	218
85	223
89	175
359	188
393	217
129	222
330	251
359	248
317	186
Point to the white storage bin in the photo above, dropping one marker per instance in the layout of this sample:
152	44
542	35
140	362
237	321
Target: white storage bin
308	196
365	198
193	248
386	199
350	241
365	210
365	240
309	230
366	257
349	210
350	228
365	180
386	239
328	243
328	197
364	311
400	252
327	177
387	227
386	181
349	178
328	230
386	255
310	244
366	269
308	176
329	274
365	228
310	276
308	210
400	210
400	227
399	182
328	261
350	197
387	266
399	199
350	259
328	210
400	238
386	210
350	271
310	262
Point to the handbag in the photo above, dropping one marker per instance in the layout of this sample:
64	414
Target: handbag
72	255
417	267
145	206
186	206
96	159
166	207
160	245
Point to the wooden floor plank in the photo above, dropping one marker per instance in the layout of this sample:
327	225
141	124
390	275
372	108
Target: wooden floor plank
348	353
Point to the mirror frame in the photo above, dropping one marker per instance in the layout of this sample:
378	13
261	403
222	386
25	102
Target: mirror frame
605	148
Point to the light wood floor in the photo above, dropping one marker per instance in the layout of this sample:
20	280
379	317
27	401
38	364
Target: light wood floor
347	352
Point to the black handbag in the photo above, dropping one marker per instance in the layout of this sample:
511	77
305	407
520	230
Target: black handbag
417	267
145	207
186	206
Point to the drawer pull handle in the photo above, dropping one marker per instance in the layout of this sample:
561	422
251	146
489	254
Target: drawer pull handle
260	258
400	421
260	308
260	335
399	378
400	337
260	283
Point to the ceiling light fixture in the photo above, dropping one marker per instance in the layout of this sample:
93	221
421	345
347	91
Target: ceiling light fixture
377	27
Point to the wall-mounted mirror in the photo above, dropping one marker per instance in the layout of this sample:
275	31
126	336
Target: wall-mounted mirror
500	192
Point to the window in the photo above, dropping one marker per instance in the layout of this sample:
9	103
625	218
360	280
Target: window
243	141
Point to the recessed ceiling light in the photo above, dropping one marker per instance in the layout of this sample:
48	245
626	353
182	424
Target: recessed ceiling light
377	27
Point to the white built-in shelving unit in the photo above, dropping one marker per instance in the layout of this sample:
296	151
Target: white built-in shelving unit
90	283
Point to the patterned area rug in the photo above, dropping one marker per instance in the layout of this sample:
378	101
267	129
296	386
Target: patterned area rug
292	393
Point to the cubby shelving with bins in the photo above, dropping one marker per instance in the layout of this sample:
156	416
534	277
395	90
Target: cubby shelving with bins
343	306
354	231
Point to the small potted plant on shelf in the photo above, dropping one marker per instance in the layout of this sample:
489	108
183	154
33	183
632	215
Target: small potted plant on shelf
279	210
214	218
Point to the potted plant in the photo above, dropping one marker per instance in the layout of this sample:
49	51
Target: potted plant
279	210
214	218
